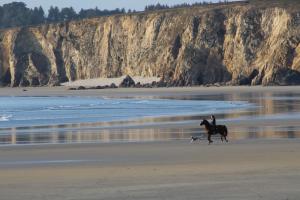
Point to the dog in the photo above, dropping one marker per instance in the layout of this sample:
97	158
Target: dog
194	139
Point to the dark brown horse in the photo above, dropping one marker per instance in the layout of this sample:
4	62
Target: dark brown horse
211	130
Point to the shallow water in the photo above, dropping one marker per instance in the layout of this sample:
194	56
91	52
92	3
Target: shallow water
39	120
36	111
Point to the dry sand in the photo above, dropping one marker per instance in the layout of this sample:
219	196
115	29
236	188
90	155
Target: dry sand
177	170
108	81
125	92
265	169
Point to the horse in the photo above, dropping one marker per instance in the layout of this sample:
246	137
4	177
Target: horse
211	130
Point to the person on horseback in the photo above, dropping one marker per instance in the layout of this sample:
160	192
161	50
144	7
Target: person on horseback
213	129
213	122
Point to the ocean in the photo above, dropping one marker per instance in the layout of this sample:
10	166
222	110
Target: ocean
43	120
73	119
36	111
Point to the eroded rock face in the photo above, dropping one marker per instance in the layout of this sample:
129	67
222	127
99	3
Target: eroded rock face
242	44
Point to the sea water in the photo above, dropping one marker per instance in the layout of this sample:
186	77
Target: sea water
41	111
74	119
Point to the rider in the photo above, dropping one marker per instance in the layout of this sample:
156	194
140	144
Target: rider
213	123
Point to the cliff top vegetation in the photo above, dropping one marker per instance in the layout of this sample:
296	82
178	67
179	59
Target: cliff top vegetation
17	14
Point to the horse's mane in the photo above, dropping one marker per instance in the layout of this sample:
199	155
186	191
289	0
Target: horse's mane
205	121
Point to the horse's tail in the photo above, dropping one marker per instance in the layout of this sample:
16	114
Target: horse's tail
225	131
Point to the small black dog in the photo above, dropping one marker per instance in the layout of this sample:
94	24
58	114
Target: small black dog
194	139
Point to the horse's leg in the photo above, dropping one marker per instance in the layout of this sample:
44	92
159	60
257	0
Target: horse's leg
226	133
226	139
209	138
222	136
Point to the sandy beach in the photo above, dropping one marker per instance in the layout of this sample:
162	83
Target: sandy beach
108	81
266	169
245	168
126	92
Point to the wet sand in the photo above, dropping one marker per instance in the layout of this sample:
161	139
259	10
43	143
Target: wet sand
261	167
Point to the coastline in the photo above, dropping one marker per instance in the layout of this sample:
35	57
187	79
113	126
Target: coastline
127	92
263	168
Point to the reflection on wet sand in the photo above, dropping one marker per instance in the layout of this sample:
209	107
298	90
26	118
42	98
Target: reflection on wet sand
103	136
266	120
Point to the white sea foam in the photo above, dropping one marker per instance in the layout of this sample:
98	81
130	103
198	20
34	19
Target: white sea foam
142	102
5	118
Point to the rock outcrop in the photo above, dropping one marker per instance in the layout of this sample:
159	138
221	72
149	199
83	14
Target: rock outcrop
127	82
238	43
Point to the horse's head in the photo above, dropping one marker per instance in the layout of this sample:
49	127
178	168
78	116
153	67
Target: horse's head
204	122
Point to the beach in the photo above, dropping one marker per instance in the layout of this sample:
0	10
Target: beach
125	92
259	162
164	170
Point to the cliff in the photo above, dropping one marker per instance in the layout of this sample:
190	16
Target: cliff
238	43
